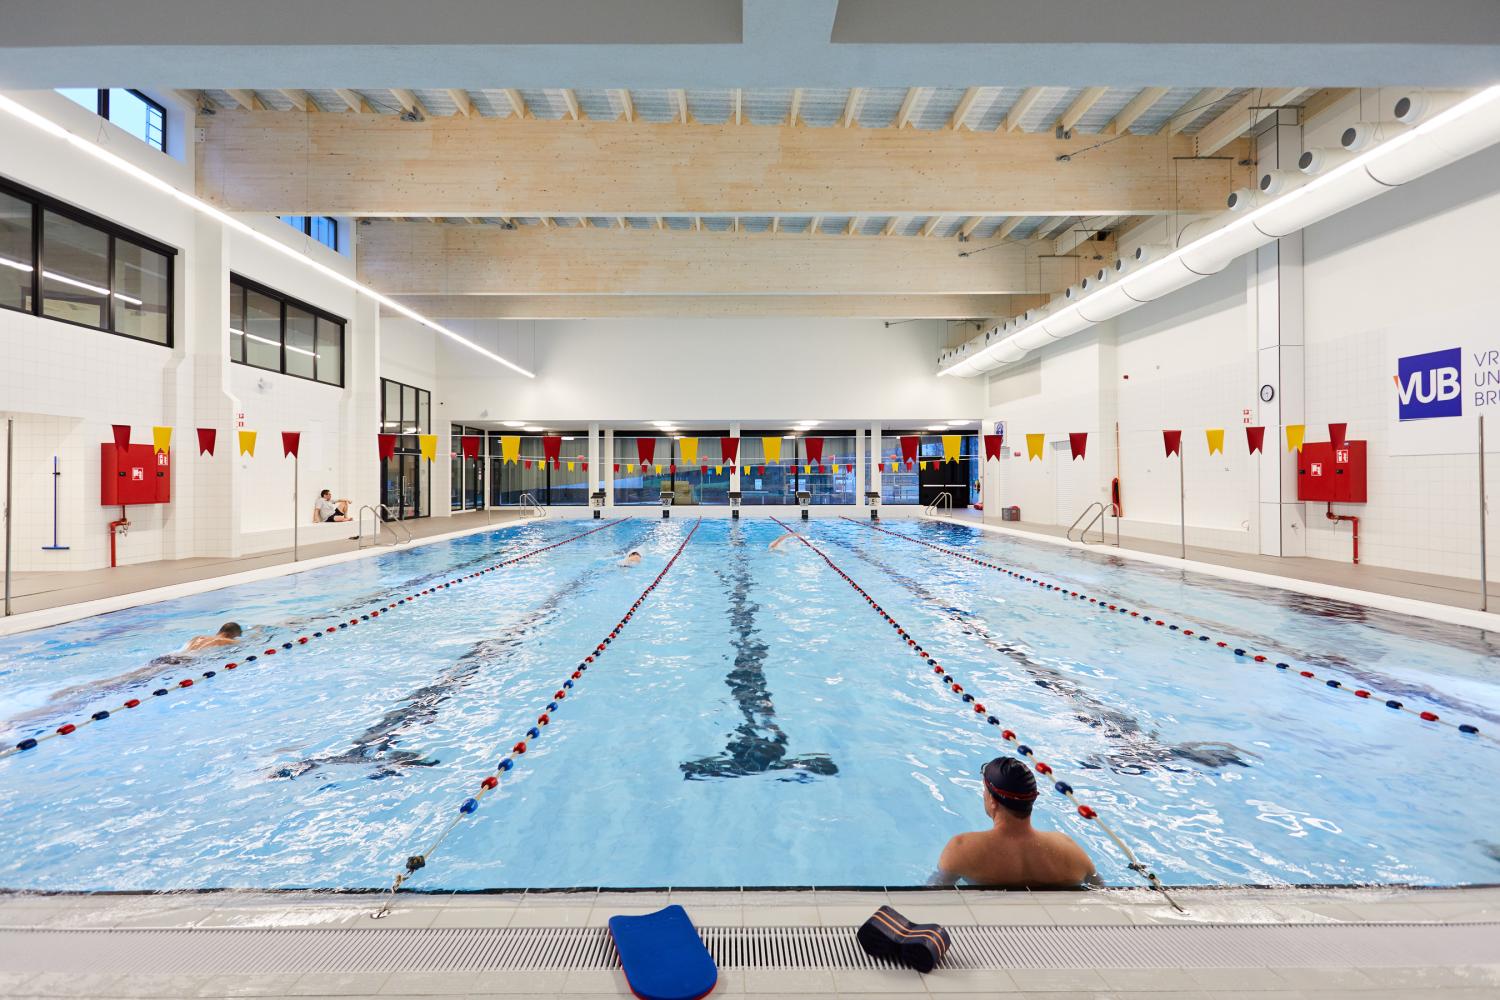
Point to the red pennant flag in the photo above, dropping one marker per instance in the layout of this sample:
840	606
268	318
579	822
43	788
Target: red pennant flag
1173	441
1077	443
909	446
703	469
206	437
527	462
585	466
760	470
731	451
1255	437
122	436
469	444
1338	434
672	468
387	444
645	449
815	452
290	442
551	448
992	444
617	466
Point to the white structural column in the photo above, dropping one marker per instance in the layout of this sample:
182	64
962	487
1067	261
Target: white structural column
359	409
877	449
607	467
734	477
596	468
859	466
1277	298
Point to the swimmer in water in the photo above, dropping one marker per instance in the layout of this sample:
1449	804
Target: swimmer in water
780	540
1011	854
71	697
633	559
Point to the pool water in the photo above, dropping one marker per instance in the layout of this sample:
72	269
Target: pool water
755	723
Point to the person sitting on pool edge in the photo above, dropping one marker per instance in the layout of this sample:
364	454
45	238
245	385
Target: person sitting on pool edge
1011	854
330	509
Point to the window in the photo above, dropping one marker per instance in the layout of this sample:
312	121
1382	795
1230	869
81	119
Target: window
323	228
132	110
467	482
404	488
271	331
561	486
67	265
16	253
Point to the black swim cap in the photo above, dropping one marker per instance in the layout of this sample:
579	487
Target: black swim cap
1011	784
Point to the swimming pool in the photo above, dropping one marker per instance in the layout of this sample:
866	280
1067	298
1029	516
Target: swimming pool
755	722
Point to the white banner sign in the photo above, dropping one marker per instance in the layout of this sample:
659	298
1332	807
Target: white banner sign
1442	379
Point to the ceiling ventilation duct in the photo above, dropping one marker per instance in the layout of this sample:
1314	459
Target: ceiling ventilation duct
1243	199
1375	158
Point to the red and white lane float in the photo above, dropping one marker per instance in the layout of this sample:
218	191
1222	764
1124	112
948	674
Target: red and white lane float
491	781
1026	753
68	728
1240	652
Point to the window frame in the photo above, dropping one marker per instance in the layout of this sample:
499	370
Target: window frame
101	108
41	204
306	229
284	300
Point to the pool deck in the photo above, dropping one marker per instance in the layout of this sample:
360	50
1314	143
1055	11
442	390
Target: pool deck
48	944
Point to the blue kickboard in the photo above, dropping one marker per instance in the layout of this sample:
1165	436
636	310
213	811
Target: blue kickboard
663	956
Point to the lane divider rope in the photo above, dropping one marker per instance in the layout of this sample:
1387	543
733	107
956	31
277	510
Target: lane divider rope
1028	754
491	781
187	683
1241	653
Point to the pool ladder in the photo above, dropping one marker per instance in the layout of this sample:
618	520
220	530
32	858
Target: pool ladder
1099	510
380	514
529	506
943	501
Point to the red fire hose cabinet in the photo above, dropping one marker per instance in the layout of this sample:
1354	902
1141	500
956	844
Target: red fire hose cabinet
134	475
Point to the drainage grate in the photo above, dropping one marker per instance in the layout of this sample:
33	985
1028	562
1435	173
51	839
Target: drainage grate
264	951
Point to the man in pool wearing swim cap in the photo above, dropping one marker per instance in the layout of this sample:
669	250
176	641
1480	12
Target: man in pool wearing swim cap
1011	853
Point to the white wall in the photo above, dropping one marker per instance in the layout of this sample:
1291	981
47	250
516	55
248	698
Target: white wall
1378	278
677	369
65	385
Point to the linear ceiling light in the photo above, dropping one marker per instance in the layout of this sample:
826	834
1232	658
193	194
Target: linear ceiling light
47	125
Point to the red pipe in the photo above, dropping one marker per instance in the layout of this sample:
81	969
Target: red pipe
113	525
1354	522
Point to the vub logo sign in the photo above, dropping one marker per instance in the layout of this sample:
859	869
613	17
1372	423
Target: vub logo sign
1429	385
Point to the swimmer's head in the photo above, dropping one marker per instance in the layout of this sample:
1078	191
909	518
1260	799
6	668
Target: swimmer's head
1009	785
230	630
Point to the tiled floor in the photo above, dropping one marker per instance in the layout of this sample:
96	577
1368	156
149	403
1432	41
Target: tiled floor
1452	591
33	591
1414	979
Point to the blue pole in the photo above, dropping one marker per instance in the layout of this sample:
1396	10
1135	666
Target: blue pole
56	475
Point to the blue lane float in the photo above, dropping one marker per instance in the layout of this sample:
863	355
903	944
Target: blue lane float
1425	716
31	743
470	805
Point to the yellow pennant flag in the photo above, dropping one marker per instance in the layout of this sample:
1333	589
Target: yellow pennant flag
510	448
1215	439
428	445
1294	433
835	468
161	439
950	447
570	466
247	443
718	470
895	466
807	470
1034	444
658	469
689	449
629	467
772	448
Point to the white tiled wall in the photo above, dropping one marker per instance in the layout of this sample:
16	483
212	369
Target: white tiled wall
1405	261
